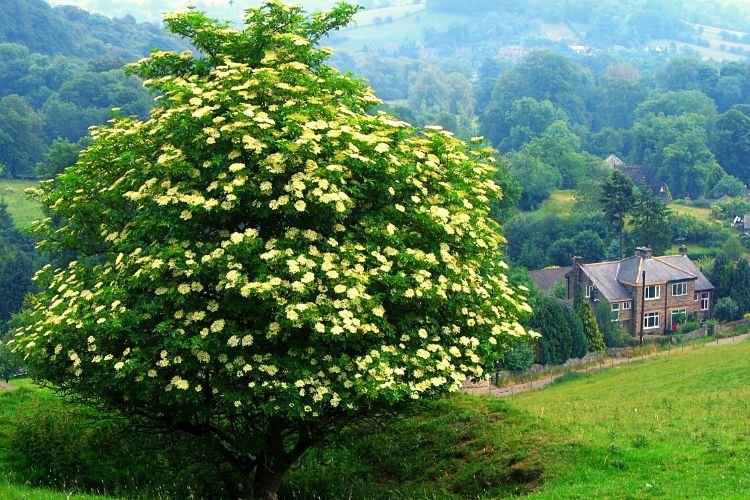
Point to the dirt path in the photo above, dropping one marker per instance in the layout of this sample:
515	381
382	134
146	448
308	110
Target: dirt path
7	387
544	382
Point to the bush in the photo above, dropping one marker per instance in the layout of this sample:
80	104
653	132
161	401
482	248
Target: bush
689	326
726	309
701	203
580	342
614	336
520	358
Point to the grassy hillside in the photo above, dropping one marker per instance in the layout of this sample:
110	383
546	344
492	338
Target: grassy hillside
675	427
23	210
560	203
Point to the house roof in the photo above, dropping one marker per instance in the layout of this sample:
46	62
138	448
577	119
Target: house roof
545	279
658	270
684	262
613	161
604	277
611	278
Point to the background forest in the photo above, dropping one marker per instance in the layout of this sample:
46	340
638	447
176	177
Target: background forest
663	85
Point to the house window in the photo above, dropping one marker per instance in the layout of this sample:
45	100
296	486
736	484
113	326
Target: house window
615	311
653	292
651	320
676	315
679	289
695	296
626	305
589	291
704	301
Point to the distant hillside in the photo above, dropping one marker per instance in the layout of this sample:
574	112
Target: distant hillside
60	73
73	32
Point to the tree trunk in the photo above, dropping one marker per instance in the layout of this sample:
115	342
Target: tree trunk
273	464
266	483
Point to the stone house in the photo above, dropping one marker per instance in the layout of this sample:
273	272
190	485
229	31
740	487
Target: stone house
646	293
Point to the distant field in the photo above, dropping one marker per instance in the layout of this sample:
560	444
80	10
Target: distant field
700	213
392	34
23	210
706	52
556	31
376	16
693	249
559	203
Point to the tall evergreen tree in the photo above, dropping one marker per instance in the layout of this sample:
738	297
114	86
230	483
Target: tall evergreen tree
650	217
557	338
617	201
590	326
741	286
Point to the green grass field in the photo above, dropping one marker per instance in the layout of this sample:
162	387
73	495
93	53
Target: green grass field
699	213
23	210
675	426
560	203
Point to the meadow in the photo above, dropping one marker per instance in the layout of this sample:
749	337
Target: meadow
23	209
674	426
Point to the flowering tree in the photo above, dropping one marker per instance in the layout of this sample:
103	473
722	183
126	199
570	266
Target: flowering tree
262	259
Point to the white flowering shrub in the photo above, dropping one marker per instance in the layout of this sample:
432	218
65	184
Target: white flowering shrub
262	258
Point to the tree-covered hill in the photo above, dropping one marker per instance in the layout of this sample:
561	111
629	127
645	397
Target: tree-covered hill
74	32
60	73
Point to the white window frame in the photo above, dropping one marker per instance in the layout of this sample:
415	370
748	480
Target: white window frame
626	305
676	311
681	288
695	296
615	311
705	301
648	323
589	291
656	289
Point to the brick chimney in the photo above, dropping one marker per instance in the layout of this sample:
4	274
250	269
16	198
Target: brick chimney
683	250
644	252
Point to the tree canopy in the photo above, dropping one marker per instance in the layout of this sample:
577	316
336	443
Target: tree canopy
263	259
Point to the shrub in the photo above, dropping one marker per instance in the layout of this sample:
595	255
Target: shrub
726	309
520	358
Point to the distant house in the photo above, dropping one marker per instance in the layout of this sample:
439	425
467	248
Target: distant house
512	51
614	162
741	223
640	175
673	285
546	279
